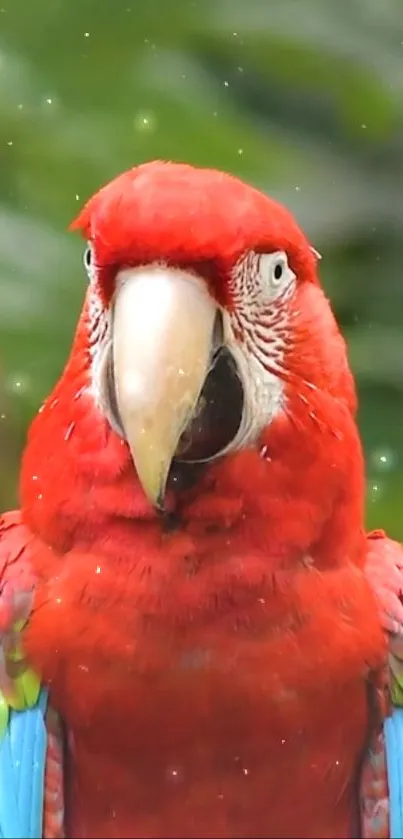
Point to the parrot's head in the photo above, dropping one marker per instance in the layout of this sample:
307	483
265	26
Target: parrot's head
206	343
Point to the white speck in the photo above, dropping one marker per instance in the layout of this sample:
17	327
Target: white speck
363	125
174	774
226	84
384	459
2	416
59	600
145	122
77	197
86	34
34	477
17	383
261	600
240	152
297	189
9	142
50	104
98	569
337	763
83	667
376	491
39	496
245	771
282	742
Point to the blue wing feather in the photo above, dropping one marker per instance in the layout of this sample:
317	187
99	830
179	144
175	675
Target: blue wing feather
22	772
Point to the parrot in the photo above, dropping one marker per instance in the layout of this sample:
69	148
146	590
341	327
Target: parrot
189	573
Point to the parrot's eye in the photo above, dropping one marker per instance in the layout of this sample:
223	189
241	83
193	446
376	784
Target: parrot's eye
275	273
88	260
278	271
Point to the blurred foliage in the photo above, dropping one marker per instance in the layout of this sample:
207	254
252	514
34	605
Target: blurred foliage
304	99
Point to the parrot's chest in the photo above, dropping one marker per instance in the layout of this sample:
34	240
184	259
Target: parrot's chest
207	749
240	723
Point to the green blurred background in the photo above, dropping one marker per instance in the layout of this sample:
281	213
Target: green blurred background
304	98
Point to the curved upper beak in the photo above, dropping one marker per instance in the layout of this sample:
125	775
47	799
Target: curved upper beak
163	325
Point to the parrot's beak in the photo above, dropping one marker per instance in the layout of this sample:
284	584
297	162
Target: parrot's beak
163	327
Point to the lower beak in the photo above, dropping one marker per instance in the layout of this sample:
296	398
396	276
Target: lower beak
163	325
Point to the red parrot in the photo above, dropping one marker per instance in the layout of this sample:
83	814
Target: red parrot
188	573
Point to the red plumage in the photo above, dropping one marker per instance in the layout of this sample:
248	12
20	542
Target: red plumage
213	678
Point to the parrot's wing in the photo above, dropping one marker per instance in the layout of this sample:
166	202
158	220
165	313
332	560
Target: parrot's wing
23	747
384	570
19	687
31	743
381	786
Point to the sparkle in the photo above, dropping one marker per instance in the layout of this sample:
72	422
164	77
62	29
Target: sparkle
384	459
145	122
